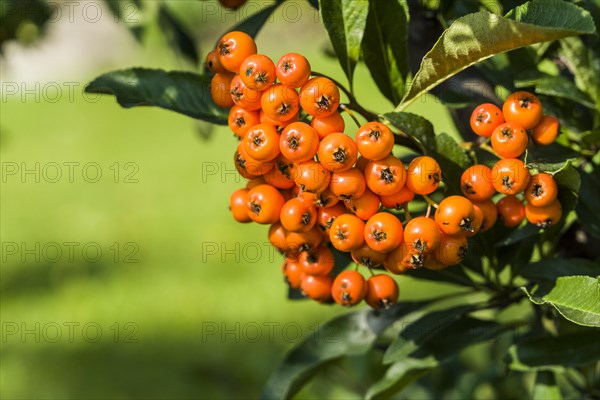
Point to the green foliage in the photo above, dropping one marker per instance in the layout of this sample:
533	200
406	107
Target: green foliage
415	127
555	353
506	267
350	334
577	298
345	21
545	387
14	15
177	34
253	24
183	92
384	46
478	36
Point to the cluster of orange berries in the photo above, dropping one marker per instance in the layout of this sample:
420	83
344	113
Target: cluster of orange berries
509	131
319	188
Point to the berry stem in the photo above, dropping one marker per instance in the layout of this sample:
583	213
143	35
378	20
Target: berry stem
407	213
429	201
347	110
485	146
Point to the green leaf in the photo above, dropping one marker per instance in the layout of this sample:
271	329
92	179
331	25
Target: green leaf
420	331
581	59
295	294
589	203
384	46
475	37
349	334
568	181
550	159
439	349
341	260
448	147
453	160
14	14
545	387
557	86
416	127
464	332
400	375
253	24
122	10
551	270
522	233
177	34
454	275
554	353
577	298
183	92
345	21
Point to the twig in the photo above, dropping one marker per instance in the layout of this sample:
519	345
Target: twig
348	111
430	201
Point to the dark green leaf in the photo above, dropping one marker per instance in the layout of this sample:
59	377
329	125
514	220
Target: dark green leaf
522	233
589	203
453	160
349	334
253	24
569	183
416	127
345	21
545	387
399	375
550	270
449	148
591	139
464	332
478	36
456	98
384	46
422	330
14	14
550	159
183	92
555	353
454	275
516	255
128	12
524	60
177	34
448	342
295	294
341	260
557	86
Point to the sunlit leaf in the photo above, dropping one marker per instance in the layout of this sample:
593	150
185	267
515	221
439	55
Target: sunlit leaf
475	37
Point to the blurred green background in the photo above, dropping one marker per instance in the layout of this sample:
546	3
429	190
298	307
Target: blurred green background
137	283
